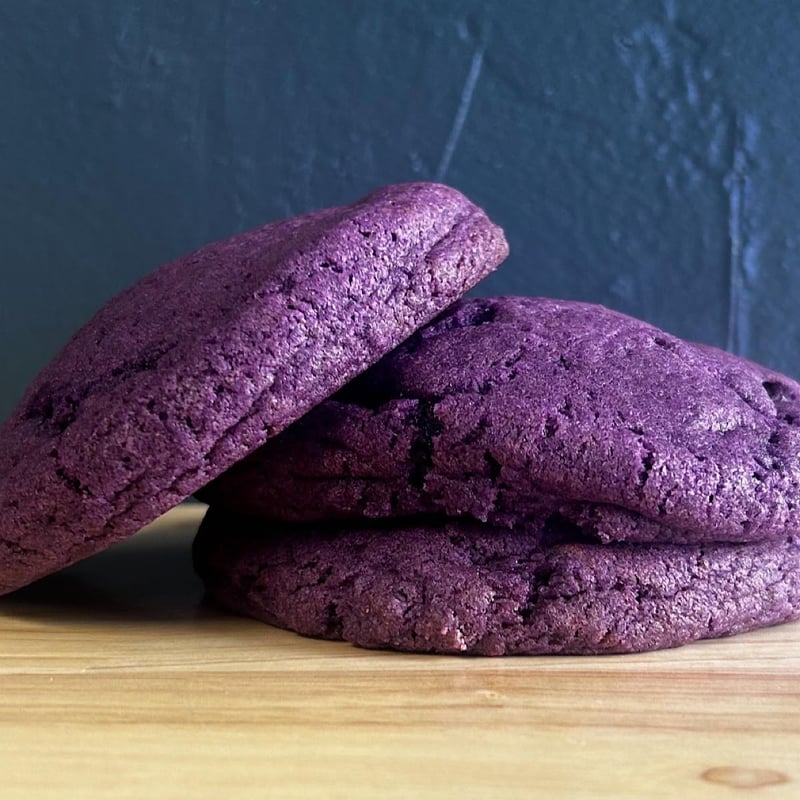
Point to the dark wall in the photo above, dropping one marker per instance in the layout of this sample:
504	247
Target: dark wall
640	154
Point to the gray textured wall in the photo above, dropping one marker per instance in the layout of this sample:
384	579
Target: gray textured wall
641	154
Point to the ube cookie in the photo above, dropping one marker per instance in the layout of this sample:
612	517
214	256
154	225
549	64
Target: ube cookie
468	587
509	407
204	360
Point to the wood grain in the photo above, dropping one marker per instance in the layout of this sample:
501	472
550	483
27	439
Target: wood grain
116	680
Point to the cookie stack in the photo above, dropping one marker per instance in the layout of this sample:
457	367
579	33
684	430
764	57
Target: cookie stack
522	476
514	475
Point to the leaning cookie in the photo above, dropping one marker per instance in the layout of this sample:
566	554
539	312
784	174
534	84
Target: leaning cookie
510	406
466	587
211	355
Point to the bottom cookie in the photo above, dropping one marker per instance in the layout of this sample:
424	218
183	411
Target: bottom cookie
458	587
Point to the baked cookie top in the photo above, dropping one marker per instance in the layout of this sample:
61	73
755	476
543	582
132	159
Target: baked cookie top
211	355
506	407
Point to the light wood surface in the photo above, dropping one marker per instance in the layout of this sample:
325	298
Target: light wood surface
117	681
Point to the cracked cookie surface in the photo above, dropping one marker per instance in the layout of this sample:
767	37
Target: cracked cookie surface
507	407
201	362
467	587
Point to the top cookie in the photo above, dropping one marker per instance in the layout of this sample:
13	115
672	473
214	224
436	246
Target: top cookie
201	362
514	406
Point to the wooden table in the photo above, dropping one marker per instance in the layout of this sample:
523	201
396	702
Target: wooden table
117	681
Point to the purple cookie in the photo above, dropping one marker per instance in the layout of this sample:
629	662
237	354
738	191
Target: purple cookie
466	587
204	360
523	406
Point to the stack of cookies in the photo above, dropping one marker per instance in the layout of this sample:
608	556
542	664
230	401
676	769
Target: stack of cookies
522	476
391	465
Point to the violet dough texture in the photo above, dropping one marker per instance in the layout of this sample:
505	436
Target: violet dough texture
192	368
509	407
466	587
